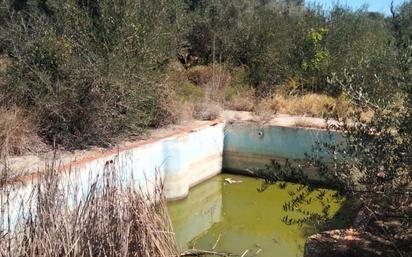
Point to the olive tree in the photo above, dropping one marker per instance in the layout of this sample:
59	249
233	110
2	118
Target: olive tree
372	163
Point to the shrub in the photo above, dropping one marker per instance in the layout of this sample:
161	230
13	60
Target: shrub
185	111
190	92
308	45
200	75
214	73
17	133
314	105
90	71
240	99
207	111
309	104
206	90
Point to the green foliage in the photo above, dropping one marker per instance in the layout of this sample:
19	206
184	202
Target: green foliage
276	44
372	163
401	26
87	66
90	70
361	53
316	52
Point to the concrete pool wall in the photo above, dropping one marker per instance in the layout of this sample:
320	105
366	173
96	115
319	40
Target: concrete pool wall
248	147
185	157
181	158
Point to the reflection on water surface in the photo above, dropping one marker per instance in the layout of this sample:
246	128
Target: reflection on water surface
237	217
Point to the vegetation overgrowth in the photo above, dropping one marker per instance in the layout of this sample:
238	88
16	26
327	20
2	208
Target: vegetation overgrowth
90	72
77	73
372	163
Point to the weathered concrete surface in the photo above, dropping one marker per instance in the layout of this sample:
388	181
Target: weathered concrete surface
33	163
182	158
251	146
258	149
280	120
188	153
347	243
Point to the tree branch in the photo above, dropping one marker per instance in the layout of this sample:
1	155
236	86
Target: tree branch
196	252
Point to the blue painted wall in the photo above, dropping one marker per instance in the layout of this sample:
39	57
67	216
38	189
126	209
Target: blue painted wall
248	146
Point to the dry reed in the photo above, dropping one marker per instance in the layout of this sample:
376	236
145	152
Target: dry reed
17	133
112	220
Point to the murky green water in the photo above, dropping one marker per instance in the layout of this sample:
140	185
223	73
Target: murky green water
236	217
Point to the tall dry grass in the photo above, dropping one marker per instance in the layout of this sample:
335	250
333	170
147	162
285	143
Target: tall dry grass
200	90
242	100
216	80
315	105
113	220
205	90
17	133
17	128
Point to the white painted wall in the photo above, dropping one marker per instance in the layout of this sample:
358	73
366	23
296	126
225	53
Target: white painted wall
182	161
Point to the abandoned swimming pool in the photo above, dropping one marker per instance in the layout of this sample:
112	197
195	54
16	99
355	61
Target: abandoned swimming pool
190	161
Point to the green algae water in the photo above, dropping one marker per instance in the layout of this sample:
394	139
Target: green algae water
236	217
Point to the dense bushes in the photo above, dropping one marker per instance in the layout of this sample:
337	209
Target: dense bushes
372	161
90	71
280	42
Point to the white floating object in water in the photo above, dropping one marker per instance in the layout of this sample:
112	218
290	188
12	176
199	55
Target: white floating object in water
232	181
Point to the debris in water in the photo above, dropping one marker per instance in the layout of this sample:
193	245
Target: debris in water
233	181
244	253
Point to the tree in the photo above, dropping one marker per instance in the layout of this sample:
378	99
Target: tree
373	162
